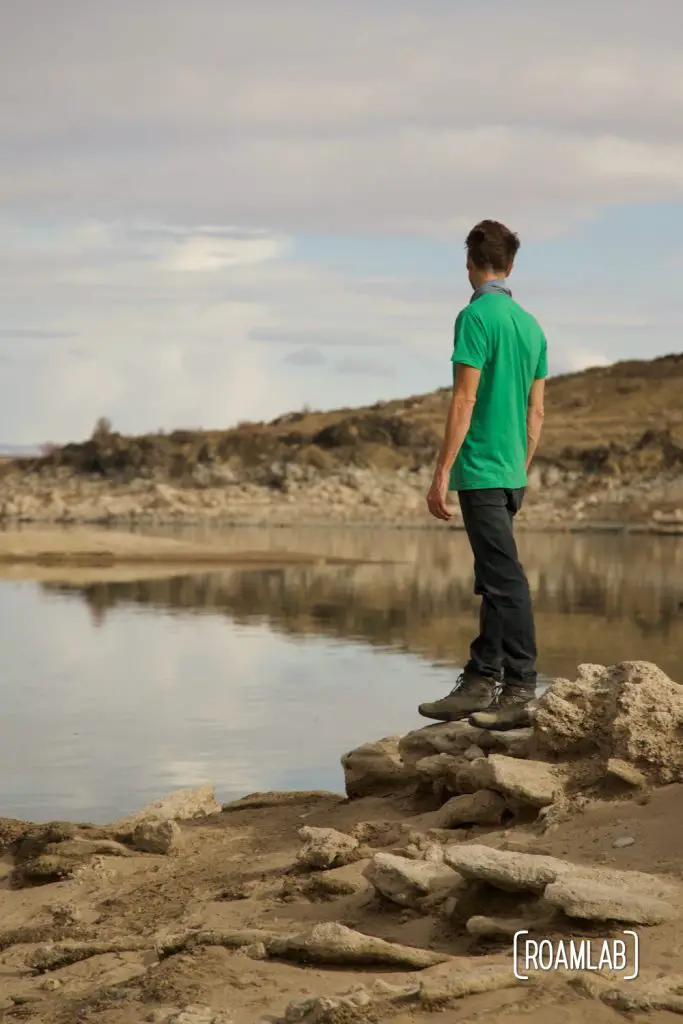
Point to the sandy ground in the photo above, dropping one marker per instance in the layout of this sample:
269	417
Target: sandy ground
234	871
41	554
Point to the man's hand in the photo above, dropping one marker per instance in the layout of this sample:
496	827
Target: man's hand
436	498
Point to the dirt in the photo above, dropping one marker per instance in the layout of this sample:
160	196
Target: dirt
226	877
285	908
611	454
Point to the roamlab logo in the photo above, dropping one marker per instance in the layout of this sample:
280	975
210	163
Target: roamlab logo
618	955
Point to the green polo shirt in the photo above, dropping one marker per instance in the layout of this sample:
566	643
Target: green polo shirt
495	335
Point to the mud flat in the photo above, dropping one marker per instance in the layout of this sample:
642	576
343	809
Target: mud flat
43	553
395	903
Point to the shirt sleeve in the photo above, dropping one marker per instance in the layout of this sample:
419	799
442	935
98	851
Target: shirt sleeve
542	368
470	345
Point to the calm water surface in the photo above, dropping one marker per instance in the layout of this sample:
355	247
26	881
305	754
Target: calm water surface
114	693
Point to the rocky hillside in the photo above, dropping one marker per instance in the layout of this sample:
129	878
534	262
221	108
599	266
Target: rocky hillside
623	418
612	445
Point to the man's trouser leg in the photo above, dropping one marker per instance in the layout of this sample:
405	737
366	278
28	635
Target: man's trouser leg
506	641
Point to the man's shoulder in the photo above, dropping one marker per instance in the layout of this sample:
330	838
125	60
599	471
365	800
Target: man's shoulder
468	314
491	311
525	317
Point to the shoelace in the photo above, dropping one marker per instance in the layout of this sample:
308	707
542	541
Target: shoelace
497	687
458	684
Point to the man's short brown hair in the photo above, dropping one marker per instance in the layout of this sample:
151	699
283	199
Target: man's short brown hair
490	245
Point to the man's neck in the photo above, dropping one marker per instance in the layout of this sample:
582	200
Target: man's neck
493	284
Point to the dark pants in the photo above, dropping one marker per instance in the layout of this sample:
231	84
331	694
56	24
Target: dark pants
506	645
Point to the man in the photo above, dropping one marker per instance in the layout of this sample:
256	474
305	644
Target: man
492	430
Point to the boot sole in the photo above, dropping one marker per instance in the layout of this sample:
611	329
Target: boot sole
500	727
448	716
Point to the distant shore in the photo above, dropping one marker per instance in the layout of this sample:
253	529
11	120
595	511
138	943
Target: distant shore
103	549
354	497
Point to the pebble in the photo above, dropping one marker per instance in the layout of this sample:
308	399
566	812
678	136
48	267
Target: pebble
620	844
51	984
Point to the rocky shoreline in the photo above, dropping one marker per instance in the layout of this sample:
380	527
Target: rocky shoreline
395	903
305	496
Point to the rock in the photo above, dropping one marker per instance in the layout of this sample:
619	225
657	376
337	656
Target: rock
588	899
514	742
292	798
522	842
623	842
631	712
82	847
157	837
432	853
36	839
411	851
162	1015
256	951
467	777
195	1015
55	956
181	805
481	808
552	815
50	853
333	943
506	870
532	782
344	881
46	868
440	987
323	1010
325	848
626	772
405	881
325	886
65	915
381	833
12	830
481	927
445	738
438	766
376	768
384	990
473	753
51	984
310	1010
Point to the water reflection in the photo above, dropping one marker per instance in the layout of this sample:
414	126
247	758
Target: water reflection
598	598
113	693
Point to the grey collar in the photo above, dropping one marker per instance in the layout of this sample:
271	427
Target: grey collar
498	286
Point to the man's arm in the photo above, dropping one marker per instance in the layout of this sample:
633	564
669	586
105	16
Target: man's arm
534	418
458	423
459	417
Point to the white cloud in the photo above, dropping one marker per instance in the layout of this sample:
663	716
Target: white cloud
340	116
160	160
204	252
577	359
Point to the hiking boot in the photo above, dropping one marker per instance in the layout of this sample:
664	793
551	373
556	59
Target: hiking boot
510	710
470	693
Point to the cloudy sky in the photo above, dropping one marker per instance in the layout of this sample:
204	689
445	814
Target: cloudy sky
218	210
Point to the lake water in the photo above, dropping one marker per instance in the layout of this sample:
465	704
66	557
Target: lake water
114	693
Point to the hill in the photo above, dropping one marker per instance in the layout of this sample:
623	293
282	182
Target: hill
613	440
